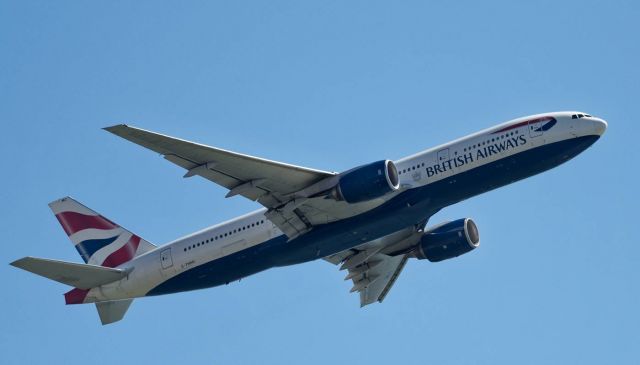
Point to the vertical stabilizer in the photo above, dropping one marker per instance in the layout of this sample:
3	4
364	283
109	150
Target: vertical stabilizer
98	240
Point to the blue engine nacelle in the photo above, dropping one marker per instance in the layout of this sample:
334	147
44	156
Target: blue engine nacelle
448	241
367	182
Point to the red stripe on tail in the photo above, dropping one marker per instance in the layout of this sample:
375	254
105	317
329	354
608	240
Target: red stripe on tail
76	296
73	222
124	253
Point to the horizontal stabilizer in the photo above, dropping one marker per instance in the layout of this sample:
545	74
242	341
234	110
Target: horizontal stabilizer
81	276
112	311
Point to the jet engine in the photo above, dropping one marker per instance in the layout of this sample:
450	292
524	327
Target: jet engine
448	241
367	182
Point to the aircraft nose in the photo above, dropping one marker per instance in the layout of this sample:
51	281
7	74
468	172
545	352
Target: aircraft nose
599	126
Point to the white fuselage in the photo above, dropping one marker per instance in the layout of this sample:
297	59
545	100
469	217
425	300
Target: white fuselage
424	168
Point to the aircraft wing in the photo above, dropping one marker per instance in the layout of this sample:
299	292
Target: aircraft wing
371	268
286	190
252	177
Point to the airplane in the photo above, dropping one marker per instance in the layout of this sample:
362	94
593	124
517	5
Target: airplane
368	220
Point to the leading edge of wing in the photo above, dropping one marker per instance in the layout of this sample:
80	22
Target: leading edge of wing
136	135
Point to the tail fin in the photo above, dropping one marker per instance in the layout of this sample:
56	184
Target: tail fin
98	240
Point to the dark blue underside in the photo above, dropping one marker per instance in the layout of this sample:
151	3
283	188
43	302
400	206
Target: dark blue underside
409	208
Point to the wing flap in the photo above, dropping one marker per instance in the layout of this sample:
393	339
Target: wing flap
372	266
372	282
392	280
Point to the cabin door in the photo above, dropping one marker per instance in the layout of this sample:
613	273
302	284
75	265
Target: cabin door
166	261
443	155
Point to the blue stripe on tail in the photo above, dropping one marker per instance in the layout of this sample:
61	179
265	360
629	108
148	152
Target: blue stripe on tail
87	248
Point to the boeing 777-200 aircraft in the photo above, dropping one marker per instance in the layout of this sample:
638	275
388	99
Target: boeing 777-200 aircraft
369	220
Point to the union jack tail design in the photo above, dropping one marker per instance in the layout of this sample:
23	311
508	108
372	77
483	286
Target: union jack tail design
99	241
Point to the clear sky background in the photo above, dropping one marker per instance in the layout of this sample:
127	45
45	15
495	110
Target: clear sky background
329	85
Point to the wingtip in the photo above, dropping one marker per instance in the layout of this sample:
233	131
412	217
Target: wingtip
115	127
18	263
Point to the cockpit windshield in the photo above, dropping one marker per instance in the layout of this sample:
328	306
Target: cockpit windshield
578	116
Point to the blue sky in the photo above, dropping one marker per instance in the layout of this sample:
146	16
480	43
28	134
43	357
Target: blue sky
328	85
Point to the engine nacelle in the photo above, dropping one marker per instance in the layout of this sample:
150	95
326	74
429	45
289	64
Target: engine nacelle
367	182
448	241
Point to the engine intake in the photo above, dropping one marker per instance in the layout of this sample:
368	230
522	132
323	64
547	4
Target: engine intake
448	241
367	182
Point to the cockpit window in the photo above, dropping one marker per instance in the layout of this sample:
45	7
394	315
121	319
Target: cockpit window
577	116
